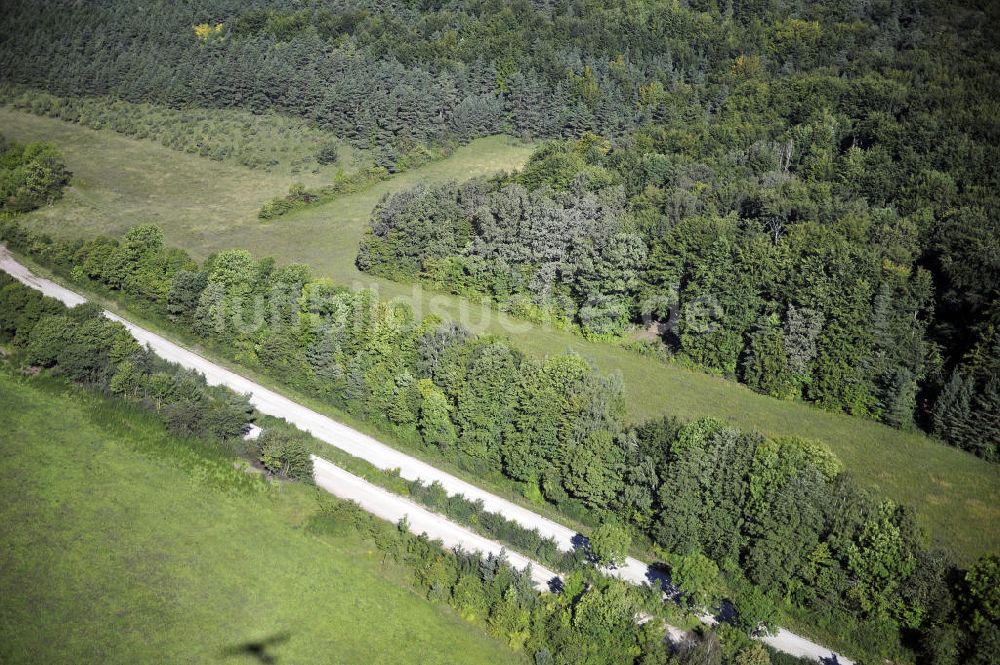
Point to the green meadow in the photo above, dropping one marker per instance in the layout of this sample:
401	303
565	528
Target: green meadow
117	550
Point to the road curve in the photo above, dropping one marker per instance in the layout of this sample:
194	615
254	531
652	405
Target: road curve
380	455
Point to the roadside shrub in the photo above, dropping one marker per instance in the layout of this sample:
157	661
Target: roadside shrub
284	453
47	338
609	544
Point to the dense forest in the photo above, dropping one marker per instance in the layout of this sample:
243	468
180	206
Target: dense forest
394	73
800	195
827	230
849	305
731	509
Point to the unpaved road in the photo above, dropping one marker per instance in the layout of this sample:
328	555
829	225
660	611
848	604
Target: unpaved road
329	477
393	508
384	457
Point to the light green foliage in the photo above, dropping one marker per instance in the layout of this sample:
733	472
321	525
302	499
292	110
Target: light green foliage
880	561
606	613
48	338
485	399
234	270
509	620
794	40
754	654
557	165
127	381
435	424
775	461
697	576
31	175
756	611
533	430
609	544
983	583
283	452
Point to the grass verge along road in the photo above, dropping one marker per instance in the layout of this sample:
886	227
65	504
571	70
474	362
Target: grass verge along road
114	553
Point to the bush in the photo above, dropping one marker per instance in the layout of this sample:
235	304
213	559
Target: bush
327	153
697	576
47	338
755	610
284	453
30	175
609	544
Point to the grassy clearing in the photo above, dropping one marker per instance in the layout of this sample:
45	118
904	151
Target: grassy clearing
206	206
271	142
112	554
122	181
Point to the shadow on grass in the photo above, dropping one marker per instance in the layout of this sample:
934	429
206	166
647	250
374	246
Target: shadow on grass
259	649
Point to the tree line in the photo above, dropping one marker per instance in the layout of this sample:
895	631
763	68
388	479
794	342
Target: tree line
391	74
378	74
80	345
729	509
591	620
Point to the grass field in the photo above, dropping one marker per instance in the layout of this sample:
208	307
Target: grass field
113	554
270	142
204	206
